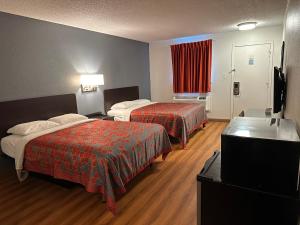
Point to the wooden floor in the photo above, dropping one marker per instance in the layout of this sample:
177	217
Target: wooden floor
164	194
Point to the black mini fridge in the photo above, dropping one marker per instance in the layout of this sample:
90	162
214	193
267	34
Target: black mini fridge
220	203
262	153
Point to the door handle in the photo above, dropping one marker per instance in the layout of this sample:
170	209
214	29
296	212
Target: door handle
231	71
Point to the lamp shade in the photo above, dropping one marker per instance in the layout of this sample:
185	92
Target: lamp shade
92	79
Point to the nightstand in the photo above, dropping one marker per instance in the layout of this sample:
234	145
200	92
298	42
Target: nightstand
99	115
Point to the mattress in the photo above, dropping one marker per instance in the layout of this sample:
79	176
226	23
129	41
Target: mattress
101	155
13	145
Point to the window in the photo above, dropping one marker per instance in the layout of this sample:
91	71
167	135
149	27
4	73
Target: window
192	67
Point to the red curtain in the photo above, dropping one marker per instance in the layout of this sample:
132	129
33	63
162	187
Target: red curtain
192	67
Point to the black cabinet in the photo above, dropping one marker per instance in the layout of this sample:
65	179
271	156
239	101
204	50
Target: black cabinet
220	203
261	153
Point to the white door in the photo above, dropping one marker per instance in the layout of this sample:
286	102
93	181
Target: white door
251	75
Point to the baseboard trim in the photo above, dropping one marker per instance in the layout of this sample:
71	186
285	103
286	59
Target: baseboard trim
218	120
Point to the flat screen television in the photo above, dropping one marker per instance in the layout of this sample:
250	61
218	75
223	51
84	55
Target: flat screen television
279	88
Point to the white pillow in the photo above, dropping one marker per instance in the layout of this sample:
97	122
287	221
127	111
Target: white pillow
67	118
141	101
31	127
123	105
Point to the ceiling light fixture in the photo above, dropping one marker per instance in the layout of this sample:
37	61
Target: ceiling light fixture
247	26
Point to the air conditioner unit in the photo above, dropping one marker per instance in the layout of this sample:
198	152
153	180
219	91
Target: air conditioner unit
207	100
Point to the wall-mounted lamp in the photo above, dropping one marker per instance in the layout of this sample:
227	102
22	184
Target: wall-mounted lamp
89	82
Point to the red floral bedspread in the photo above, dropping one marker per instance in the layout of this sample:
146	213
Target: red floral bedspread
179	119
101	155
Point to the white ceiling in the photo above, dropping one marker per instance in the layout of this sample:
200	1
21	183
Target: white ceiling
149	20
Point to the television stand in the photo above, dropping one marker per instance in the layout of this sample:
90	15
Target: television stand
221	203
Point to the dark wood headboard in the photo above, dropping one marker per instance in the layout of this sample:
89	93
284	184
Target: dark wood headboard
113	96
26	110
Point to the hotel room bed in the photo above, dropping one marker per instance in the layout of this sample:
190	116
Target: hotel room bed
101	155
179	119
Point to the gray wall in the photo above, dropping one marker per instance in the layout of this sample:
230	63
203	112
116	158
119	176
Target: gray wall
39	58
292	60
